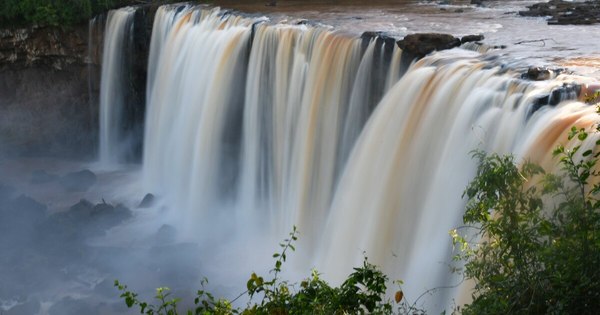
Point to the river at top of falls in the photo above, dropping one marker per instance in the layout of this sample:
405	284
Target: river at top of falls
570	46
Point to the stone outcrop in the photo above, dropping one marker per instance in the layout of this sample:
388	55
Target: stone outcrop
566	12
419	45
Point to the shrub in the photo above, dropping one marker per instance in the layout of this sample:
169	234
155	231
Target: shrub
539	241
362	292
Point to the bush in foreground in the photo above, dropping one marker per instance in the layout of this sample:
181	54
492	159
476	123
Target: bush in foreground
363	292
539	234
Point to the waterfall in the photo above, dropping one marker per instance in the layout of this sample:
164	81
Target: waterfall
283	124
401	190
262	120
114	85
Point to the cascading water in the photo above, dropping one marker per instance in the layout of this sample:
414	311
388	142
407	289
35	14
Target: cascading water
275	125
114	84
261	119
401	188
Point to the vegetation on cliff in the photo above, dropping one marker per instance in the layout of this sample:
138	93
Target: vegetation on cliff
54	12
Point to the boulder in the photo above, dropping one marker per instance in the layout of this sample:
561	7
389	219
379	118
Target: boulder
541	74
85	219
471	38
78	181
105	216
147	201
419	45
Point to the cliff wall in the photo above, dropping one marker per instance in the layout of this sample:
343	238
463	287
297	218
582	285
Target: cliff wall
47	96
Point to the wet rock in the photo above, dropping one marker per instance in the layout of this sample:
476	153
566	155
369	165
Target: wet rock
471	38
42	177
419	45
105	216
557	95
566	12
84	220
541	74
78	181
537	74
147	201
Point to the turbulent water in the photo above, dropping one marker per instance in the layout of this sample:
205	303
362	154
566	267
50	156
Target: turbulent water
255	124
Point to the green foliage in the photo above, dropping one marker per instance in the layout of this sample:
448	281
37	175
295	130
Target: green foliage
592	98
53	12
363	292
539	242
167	306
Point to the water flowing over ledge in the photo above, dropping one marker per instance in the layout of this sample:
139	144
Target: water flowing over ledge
253	127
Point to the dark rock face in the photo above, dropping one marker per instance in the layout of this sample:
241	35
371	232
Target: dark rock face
78	181
566	12
44	93
49	87
419	45
52	47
